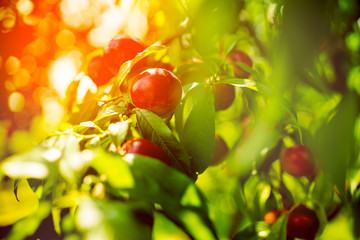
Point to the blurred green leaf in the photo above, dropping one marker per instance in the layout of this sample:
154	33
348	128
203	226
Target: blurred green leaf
278	230
114	168
335	141
114	219
180	199
152	127
199	131
118	131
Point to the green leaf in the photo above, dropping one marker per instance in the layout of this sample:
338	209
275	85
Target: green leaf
252	150
278	230
118	131
84	112
231	43
335	142
180	199
248	232
114	168
27	165
108	219
199	130
153	128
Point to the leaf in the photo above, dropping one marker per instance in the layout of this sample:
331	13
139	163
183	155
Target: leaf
27	165
84	112
199	131
114	219
180	199
126	67
248	232
16	185
335	142
153	128
118	131
252	150
231	43
114	168
248	83
278	230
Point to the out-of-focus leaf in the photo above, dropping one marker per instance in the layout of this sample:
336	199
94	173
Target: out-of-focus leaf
114	168
27	165
118	131
84	112
230	43
114	219
322	191
249	232
256	192
28	226
199	131
14	208
335	142
296	188
178	196
278	230
252	150
152	127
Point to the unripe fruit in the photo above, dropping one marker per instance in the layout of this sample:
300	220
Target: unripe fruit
224	95
221	151
302	223
240	56
157	90
144	147
297	161
272	215
98	71
120	49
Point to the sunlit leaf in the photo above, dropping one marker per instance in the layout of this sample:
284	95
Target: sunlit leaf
179	198
118	131
152	127
199	131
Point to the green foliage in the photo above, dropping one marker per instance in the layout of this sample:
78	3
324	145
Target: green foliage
303	88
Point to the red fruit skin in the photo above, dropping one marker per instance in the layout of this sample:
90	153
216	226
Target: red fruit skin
144	147
240	56
120	49
302	223
224	95
297	161
157	90
221	151
98	71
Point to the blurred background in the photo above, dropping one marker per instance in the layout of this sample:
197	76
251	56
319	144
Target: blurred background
43	46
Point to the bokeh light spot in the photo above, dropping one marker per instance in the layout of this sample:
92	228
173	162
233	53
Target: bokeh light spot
61	73
12	65
25	7
22	78
16	102
65	38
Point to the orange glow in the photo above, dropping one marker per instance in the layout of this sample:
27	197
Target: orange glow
12	65
16	102
25	7
7	19
22	78
65	38
61	73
